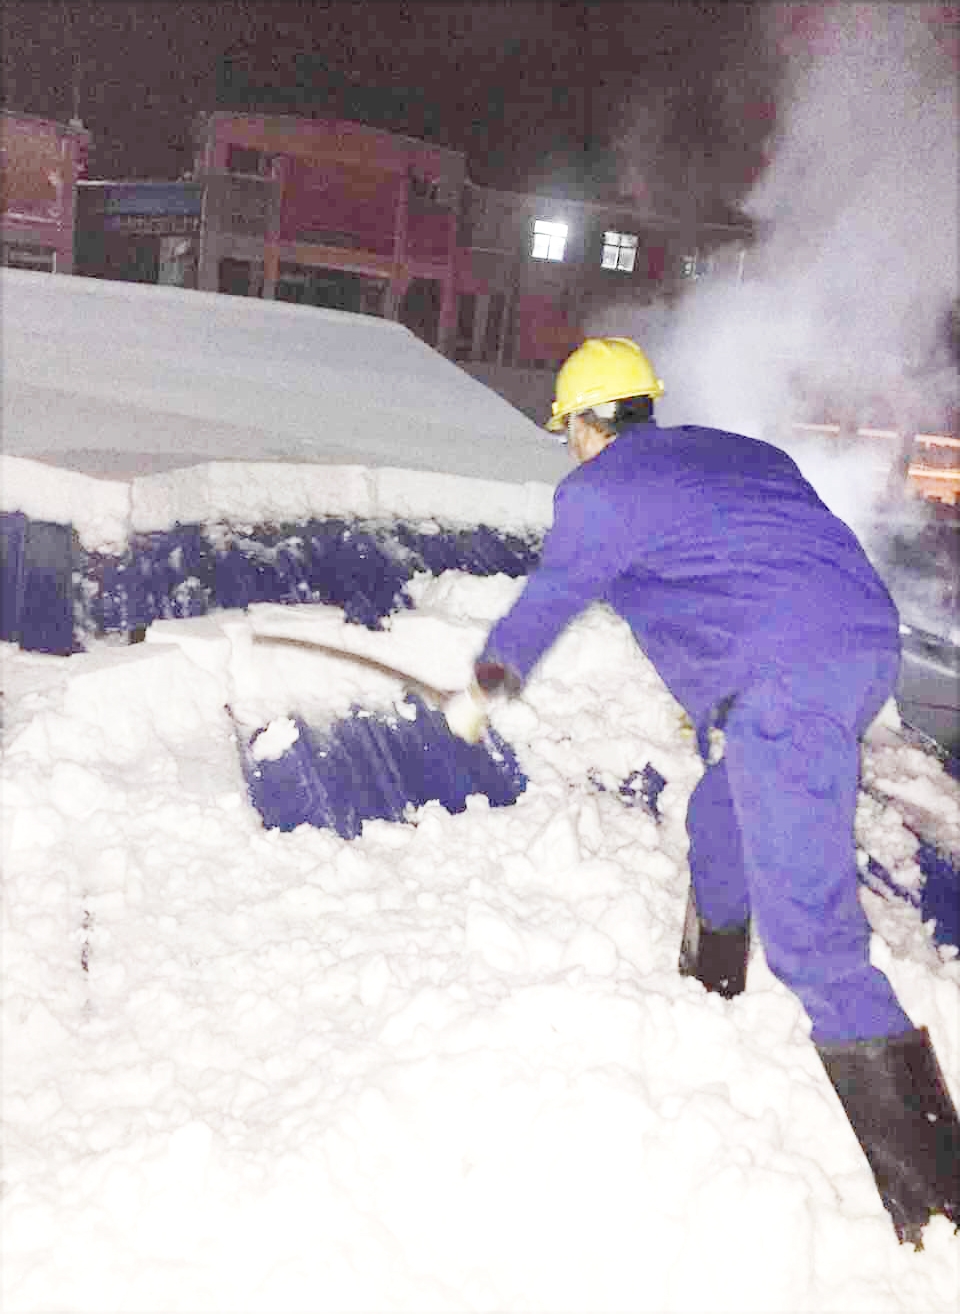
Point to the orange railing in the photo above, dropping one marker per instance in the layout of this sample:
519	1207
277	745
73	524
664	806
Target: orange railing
934	467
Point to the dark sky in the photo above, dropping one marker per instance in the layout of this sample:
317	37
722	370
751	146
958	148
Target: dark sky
536	93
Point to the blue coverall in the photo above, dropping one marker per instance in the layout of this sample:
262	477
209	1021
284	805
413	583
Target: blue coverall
739	584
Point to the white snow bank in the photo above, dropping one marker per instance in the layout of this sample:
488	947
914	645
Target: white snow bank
98	509
132	408
242	493
430	647
96	371
447	1066
245	494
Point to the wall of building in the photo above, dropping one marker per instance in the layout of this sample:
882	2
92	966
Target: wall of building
42	161
332	213
529	390
139	232
340	214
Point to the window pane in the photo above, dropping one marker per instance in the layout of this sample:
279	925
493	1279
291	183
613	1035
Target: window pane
549	240
619	251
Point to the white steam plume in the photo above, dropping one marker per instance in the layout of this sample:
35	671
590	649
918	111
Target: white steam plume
847	290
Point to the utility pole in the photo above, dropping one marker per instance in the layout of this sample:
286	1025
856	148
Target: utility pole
75	119
585	64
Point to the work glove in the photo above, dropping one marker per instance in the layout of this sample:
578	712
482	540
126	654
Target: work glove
495	678
467	713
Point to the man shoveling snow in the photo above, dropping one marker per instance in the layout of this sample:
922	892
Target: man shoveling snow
767	622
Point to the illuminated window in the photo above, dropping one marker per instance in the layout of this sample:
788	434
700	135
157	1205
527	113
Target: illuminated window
549	239
619	251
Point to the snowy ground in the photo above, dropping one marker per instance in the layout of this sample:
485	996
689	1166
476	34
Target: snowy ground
449	1065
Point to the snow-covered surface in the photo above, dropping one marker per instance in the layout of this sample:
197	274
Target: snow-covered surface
449	1065
122	381
431	646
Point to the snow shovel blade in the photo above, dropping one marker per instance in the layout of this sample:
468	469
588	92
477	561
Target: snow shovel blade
429	692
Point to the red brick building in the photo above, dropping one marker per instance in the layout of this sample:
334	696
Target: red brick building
336	213
41	163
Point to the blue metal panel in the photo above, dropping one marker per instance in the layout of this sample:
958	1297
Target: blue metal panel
367	767
36	570
940	896
480	551
358	566
46	615
13	528
118	603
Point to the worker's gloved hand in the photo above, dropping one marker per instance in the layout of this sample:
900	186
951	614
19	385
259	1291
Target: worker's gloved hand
467	712
495	678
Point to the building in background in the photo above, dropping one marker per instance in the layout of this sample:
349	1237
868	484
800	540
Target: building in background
331	213
335	213
41	163
139	232
534	269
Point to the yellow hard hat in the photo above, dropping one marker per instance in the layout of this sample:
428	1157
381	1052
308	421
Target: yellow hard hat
602	370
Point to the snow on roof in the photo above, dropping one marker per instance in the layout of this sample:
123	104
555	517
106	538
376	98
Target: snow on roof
124	381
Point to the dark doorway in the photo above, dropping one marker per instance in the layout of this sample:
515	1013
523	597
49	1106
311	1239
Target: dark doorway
124	257
420	309
333	289
234	277
494	326
466	316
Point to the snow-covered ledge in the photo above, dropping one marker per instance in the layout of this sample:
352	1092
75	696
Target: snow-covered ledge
247	493
105	512
98	509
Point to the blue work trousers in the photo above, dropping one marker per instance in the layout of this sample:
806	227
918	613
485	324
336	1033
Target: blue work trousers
771	831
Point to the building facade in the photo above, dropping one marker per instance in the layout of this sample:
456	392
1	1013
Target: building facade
334	213
331	213
41	162
139	232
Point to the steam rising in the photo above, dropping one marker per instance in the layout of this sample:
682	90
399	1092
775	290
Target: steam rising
842	311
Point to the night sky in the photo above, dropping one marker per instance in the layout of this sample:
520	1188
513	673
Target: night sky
538	94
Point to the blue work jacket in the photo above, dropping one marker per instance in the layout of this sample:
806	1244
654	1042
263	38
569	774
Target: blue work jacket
716	551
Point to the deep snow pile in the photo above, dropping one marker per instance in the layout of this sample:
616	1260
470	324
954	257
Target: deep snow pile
448	1065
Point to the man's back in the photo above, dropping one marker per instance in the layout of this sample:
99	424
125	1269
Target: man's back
718	553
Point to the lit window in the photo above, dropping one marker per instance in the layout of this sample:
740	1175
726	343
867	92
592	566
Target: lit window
549	239
619	251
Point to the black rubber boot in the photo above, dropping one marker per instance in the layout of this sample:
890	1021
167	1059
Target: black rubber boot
717	958
894	1094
